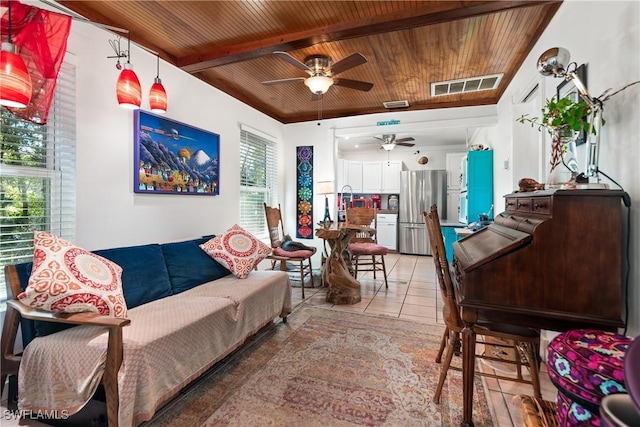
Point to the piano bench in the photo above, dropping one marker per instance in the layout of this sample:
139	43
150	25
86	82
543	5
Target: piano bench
585	365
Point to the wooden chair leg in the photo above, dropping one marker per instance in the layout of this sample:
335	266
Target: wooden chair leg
384	271
443	344
518	353
356	268
532	356
302	277
313	285
373	263
453	337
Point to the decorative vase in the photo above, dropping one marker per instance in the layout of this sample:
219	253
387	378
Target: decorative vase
563	163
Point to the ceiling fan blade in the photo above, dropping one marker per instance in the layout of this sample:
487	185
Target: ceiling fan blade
404	144
347	63
407	139
275	82
291	60
353	84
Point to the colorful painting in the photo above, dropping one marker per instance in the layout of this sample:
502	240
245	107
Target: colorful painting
304	159
174	158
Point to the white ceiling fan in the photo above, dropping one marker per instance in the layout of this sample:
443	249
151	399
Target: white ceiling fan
389	141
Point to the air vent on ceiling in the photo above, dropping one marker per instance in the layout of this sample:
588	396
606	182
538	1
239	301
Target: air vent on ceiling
472	84
396	104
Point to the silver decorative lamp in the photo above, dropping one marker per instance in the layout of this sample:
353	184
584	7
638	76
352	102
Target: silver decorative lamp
556	62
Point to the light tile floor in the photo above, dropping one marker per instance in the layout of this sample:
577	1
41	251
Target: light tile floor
412	295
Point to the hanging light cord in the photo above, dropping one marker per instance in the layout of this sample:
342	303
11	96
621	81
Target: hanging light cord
9	22
128	47
157	66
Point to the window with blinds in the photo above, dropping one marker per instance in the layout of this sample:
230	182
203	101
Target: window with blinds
38	176
258	181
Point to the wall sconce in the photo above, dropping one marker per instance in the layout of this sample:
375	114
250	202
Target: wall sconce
157	94
15	81
555	62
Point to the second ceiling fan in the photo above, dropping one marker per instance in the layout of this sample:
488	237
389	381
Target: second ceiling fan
389	141
322	73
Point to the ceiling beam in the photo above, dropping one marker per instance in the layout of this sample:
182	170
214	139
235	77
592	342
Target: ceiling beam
410	18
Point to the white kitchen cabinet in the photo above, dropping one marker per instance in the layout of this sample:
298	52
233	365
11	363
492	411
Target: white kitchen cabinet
453	206
391	176
454	171
353	175
371	177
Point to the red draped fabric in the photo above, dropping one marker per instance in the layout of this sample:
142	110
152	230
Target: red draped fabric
41	38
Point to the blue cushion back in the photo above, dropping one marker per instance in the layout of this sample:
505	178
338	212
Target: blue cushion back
189	266
144	274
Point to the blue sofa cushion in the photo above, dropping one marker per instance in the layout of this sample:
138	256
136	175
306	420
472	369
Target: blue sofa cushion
189	266
144	274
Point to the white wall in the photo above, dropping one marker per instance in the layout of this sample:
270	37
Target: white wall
109	213
611	51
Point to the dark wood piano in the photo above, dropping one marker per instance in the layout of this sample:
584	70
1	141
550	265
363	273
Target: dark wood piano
552	260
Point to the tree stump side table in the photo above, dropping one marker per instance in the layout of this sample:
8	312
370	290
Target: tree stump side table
337	271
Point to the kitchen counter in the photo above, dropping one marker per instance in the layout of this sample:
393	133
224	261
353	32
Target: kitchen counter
387	211
452	224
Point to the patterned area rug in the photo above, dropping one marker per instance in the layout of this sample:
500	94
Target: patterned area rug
329	368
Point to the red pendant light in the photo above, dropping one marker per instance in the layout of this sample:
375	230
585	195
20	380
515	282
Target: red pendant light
15	81
157	94
128	87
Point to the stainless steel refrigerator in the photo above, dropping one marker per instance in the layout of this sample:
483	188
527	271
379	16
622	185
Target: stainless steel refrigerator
419	189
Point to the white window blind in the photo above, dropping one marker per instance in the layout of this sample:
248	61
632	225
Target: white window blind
38	176
258	181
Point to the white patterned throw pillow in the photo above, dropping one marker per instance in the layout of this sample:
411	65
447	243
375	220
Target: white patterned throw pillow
68	279
238	250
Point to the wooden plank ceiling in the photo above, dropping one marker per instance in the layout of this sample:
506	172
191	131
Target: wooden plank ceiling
408	46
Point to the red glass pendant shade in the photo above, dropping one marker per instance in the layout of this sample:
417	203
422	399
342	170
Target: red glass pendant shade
128	88
158	97
15	81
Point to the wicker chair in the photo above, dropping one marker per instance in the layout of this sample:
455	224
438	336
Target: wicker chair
524	342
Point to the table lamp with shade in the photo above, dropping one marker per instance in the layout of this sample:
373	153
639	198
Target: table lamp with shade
326	188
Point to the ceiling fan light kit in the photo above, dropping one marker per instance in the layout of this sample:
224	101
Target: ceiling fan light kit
319	84
389	141
322	72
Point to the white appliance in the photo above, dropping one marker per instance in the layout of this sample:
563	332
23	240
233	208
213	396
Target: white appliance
387	230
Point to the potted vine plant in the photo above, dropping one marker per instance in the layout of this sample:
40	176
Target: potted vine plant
564	120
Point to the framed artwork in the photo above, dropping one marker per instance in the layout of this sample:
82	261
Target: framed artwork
567	89
174	158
